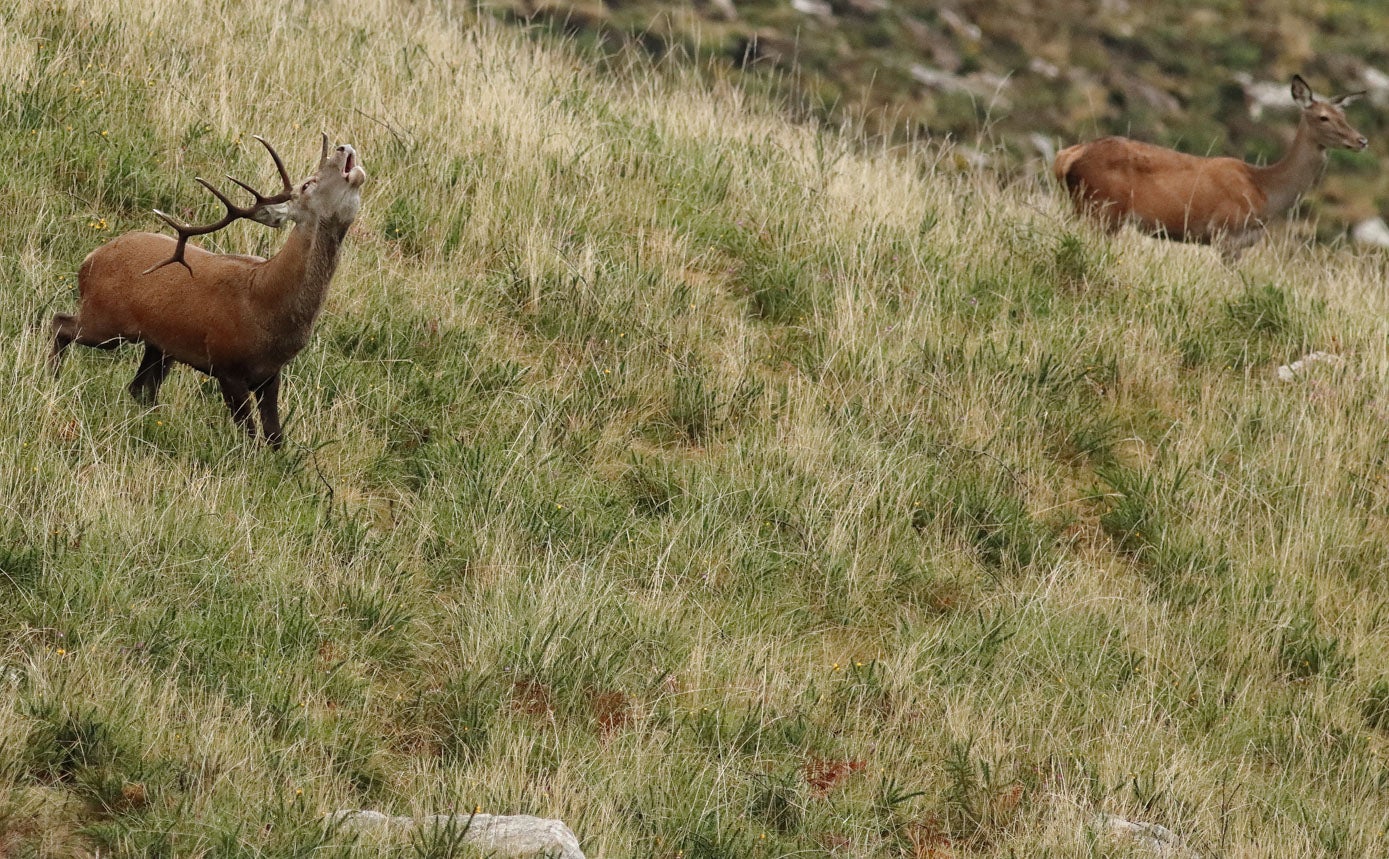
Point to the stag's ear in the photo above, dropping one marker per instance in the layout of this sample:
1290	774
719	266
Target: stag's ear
1302	93
1343	100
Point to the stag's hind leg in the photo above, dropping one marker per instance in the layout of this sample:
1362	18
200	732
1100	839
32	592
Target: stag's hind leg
154	366
67	329
64	332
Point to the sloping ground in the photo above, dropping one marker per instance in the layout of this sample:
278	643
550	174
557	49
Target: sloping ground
658	465
1000	76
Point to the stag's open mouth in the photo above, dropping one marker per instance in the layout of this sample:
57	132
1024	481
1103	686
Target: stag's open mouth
348	163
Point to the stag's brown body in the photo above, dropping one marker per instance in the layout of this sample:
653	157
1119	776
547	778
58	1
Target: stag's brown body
238	318
1184	197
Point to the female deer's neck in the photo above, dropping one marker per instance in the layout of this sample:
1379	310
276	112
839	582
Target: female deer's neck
1289	178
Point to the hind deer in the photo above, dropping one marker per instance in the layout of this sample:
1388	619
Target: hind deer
239	319
1220	201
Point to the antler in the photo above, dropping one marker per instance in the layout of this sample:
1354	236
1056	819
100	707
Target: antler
234	212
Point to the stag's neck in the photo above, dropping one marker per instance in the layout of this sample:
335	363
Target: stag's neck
1292	176
294	282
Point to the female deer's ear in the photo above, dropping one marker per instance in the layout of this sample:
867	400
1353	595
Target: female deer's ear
1343	100
1302	93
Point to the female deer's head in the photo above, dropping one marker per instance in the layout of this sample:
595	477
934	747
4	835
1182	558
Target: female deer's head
1327	118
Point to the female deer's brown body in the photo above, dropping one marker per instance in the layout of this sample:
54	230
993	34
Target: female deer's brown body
1208	200
240	319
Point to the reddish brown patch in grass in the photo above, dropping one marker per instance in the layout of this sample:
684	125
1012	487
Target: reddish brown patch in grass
824	775
611	709
133	795
926	839
532	698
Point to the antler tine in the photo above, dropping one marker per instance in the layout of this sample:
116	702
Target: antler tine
288	190
232	208
178	248
187	231
234	212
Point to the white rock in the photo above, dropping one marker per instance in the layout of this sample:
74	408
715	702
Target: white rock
961	25
511	835
978	85
1376	85
1262	95
1372	231
1154	837
725	9
818	8
1288	372
1039	66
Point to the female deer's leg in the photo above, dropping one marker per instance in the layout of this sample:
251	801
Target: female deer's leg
268	402
1233	244
237	396
154	366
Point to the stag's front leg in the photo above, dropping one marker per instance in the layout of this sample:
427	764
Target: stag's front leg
237	395
268	402
154	366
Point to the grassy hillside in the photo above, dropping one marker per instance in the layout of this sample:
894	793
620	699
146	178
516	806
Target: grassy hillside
997	75
694	477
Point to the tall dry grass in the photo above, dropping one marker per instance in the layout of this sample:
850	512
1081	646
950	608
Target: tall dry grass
714	483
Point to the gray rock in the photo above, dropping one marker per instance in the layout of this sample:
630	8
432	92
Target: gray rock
1376	85
1153	837
814	8
1371	232
510	835
1262	95
723	9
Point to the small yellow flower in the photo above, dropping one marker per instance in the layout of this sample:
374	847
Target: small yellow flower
298	791
62	652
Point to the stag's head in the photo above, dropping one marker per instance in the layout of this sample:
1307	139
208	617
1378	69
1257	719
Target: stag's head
333	193
1327	118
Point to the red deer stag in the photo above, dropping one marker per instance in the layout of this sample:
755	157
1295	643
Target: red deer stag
239	319
1221	201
